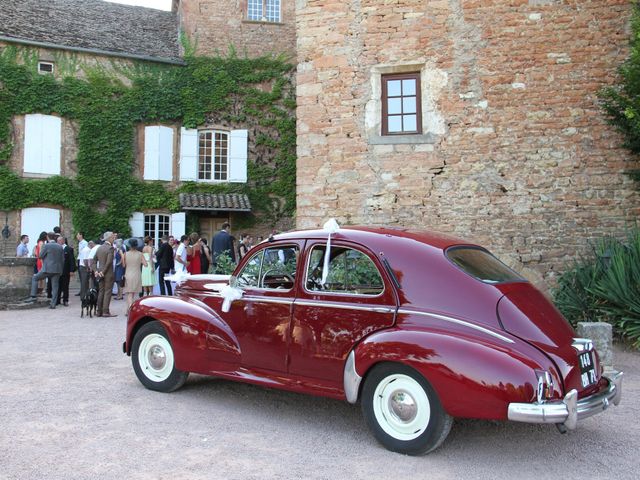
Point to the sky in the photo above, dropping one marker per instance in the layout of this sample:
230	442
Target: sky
159	4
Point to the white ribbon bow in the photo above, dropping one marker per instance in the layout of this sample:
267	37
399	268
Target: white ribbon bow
331	226
177	277
230	294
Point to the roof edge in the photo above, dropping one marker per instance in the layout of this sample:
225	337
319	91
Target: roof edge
106	53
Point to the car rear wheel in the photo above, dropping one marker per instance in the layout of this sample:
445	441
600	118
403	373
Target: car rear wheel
153	359
403	411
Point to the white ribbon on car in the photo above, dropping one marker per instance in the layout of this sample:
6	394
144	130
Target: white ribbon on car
177	277
330	227
230	294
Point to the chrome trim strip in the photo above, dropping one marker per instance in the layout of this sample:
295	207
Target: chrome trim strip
344	306
456	321
282	301
569	410
582	344
351	379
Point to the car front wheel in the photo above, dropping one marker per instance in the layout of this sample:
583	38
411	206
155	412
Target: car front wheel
403	411
153	359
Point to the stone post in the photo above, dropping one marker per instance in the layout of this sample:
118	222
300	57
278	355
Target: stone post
15	278
601	333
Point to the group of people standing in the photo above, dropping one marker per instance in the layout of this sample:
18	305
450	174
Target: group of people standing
124	268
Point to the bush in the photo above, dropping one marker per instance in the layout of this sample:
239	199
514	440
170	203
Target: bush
605	287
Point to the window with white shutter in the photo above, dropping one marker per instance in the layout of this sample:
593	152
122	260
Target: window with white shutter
238	156
136	222
178	225
42	144
158	153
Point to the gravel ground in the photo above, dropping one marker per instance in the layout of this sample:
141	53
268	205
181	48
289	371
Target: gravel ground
72	408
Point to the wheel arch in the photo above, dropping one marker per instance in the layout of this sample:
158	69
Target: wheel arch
472	377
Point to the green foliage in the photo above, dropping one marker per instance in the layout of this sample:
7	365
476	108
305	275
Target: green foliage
108	103
621	103
605	286
224	265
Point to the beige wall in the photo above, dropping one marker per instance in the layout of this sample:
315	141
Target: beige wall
517	155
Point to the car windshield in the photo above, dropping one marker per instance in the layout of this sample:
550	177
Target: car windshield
482	265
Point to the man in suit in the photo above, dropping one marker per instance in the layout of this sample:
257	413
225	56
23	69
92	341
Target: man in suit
222	243
164	256
68	268
103	268
52	257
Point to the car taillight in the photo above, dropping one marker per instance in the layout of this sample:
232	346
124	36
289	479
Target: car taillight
545	386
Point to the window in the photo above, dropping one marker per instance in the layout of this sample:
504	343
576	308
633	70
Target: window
263	10
155	226
42	144
401	112
213	155
45	67
350	271
271	268
482	265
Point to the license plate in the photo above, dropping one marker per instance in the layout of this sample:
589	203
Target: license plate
587	369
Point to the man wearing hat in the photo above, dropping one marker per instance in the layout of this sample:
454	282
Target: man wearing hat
103	268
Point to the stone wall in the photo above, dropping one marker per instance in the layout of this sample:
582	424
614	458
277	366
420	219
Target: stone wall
15	277
214	25
515	155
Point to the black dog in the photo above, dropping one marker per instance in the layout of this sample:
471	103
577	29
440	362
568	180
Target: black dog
90	302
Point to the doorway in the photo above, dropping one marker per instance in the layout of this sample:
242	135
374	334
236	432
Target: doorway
209	226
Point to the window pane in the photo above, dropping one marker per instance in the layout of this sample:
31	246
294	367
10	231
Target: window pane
273	10
350	271
409	87
395	124
410	123
394	106
254	9
408	105
393	88
482	265
251	272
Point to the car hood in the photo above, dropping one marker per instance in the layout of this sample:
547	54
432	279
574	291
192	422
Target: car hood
526	313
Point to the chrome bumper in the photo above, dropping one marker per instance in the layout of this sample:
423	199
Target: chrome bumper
569	410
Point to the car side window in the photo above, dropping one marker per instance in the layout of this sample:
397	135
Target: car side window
350	272
271	268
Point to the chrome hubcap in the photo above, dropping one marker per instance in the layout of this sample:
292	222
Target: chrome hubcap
403	406
157	357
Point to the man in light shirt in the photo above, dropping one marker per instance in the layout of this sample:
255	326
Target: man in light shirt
181	263
23	250
83	267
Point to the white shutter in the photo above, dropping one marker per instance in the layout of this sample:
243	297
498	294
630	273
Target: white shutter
42	144
178	224
136	222
36	220
188	154
238	156
33	144
151	152
165	157
51	144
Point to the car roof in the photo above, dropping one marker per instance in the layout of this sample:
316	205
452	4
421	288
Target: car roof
366	234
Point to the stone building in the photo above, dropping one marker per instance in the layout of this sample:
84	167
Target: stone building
70	35
476	118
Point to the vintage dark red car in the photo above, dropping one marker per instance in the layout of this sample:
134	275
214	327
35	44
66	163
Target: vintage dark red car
419	327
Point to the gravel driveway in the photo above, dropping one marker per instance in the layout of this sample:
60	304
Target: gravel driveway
72	408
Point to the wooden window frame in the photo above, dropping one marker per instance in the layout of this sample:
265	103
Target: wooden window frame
385	115
215	159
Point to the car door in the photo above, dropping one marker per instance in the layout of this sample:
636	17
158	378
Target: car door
328	319
261	318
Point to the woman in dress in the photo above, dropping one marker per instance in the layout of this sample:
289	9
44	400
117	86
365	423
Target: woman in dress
193	255
42	239
118	258
205	256
133	261
149	278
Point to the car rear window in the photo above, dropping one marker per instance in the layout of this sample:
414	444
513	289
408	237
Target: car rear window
482	265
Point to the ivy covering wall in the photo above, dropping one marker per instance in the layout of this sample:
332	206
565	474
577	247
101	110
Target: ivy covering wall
108	104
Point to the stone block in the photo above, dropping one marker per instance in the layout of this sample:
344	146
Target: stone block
601	333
